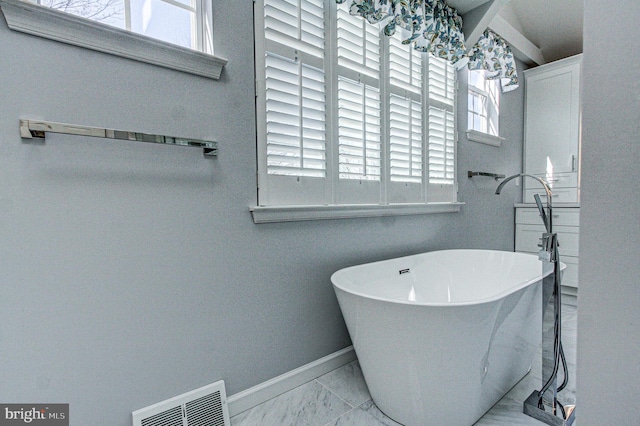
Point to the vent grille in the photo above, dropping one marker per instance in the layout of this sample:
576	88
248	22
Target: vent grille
206	411
171	417
206	406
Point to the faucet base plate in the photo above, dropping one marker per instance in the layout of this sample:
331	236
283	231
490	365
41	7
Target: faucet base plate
530	408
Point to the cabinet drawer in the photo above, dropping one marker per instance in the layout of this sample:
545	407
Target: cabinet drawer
561	216
560	195
528	237
559	180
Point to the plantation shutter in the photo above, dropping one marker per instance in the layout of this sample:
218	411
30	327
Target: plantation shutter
442	135
441	145
441	81
358	44
405	113
405	67
405	140
359	105
294	122
347	115
406	123
299	23
295	118
358	130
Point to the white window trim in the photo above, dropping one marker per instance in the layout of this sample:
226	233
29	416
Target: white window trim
63	27
485	138
270	214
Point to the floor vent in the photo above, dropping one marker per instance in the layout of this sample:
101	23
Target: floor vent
206	406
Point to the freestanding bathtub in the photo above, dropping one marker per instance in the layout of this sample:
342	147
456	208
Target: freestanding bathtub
442	336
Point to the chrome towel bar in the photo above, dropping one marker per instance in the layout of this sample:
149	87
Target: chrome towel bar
471	174
30	129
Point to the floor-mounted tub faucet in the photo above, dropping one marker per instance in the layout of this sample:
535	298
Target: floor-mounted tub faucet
534	406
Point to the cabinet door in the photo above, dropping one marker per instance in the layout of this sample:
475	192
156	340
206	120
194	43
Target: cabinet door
552	120
570	276
529	236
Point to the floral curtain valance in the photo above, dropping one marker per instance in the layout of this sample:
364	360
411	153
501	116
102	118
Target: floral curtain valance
433	26
492	54
429	25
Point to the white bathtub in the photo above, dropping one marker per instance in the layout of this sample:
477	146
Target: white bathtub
442	336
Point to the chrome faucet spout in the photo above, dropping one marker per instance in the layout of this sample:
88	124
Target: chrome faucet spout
547	190
542	181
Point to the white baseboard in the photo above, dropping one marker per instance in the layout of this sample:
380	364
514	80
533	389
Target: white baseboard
258	394
569	295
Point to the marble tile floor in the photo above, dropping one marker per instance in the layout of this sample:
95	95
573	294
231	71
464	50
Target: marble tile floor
341	398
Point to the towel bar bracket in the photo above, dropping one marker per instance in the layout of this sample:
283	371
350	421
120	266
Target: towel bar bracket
496	176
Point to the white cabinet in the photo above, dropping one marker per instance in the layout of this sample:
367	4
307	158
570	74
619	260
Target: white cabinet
552	152
566	223
552	128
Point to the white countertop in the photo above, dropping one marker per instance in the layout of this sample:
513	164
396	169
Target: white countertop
559	205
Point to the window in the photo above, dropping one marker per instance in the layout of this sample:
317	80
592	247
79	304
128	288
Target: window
483	108
186	23
175	34
346	115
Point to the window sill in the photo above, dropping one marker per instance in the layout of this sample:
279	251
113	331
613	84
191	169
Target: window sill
485	138
264	214
59	26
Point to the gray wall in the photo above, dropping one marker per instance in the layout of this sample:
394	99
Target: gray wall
131	273
609	298
487	216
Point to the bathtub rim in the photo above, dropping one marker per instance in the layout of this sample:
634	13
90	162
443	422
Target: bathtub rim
493	298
